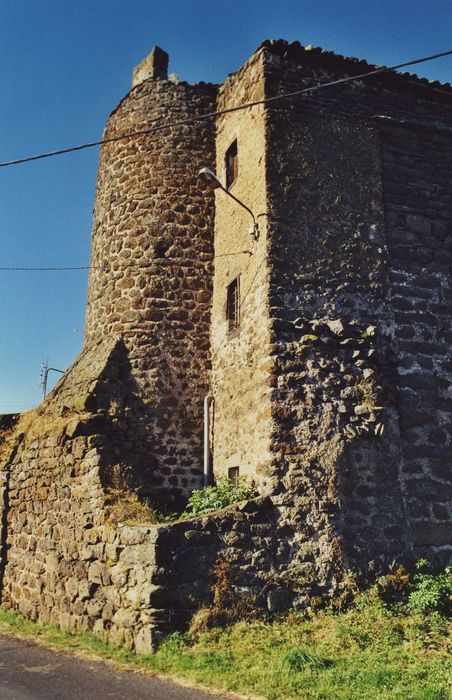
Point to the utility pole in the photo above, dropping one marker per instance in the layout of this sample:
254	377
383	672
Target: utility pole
45	369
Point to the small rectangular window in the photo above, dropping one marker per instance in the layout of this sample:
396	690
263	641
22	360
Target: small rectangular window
233	305
232	164
234	475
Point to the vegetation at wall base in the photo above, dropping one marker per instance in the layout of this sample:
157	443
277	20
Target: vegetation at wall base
125	507
374	650
212	498
431	592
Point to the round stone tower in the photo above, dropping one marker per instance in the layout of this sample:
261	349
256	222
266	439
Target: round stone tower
152	261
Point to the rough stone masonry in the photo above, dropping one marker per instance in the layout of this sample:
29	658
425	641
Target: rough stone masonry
330	373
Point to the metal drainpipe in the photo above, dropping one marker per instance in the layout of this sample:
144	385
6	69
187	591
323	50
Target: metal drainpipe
207	460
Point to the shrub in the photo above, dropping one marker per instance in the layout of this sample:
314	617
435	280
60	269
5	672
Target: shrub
212	498
431	593
395	586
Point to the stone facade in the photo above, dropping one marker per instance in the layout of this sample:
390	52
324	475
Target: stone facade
331	380
377	242
241	362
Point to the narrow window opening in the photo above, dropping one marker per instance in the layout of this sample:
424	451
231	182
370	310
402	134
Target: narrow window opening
232	164
234	475
233	305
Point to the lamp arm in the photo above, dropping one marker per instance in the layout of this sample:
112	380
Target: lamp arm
241	204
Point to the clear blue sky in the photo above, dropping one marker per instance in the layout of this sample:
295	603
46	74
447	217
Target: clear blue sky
64	66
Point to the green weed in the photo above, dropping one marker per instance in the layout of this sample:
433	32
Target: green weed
212	498
432	593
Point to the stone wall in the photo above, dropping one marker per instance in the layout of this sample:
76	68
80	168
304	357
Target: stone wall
62	561
65	562
151	282
56	462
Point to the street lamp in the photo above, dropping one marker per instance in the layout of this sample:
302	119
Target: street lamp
209	176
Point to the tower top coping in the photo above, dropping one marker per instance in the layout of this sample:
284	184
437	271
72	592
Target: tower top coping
154	66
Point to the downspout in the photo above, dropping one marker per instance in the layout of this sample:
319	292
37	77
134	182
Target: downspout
207	452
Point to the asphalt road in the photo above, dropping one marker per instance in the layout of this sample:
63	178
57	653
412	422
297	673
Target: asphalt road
32	672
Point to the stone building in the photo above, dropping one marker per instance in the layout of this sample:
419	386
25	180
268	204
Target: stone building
318	340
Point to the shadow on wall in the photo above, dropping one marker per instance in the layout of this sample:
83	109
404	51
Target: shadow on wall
373	518
98	400
7	424
118	422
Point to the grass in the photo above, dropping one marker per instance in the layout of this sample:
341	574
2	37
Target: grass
367	652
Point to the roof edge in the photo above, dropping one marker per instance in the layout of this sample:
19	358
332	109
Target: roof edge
317	56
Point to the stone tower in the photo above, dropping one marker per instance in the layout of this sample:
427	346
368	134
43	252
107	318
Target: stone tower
325	342
152	261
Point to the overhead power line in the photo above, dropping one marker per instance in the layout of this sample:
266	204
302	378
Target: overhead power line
43	269
211	115
106	268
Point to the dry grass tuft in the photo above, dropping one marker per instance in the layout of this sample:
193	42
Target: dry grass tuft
125	507
229	606
34	424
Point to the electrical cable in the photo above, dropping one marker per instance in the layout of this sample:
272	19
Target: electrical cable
211	115
193	119
122	267
44	269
